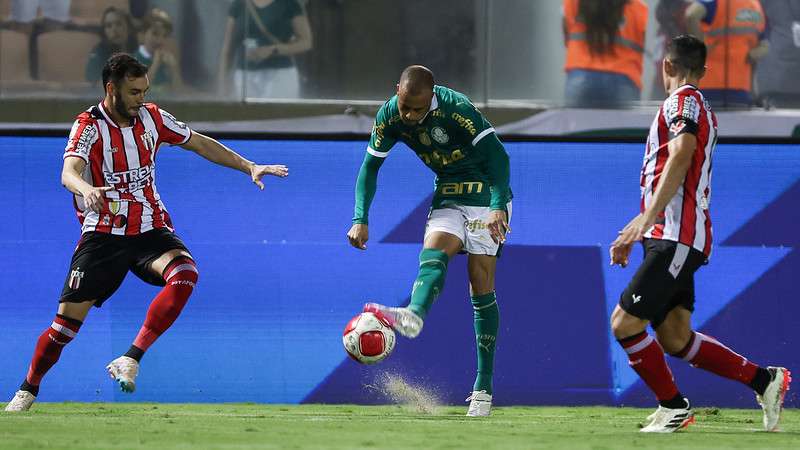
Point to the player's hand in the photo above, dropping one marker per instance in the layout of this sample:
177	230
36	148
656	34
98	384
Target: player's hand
358	235
634	231
94	198
257	171
620	254
498	226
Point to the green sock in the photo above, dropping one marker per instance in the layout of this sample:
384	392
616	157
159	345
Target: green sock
487	320
430	280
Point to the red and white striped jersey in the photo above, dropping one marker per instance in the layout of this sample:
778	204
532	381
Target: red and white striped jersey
686	218
124	158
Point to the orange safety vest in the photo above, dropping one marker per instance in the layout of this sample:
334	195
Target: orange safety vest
731	35
628	55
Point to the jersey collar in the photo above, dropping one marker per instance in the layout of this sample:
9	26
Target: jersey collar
434	105
108	117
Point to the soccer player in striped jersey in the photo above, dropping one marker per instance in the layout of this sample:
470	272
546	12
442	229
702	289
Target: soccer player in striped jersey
109	166
470	212
675	227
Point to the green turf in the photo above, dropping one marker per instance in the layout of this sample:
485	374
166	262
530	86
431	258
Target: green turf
244	426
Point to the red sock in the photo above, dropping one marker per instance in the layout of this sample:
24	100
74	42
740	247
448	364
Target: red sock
709	354
646	357
181	277
49	346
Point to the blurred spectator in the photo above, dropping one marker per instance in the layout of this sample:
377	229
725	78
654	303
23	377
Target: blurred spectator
671	18
733	31
605	51
25	12
117	34
261	39
163	70
777	74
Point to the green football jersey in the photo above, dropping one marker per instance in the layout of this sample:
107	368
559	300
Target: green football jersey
445	141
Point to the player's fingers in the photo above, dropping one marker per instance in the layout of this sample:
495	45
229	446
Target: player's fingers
507	226
258	183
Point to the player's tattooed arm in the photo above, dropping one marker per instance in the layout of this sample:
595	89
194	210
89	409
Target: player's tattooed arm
214	151
681	150
71	178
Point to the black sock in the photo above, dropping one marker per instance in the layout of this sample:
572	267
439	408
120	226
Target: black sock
761	380
135	353
677	402
25	386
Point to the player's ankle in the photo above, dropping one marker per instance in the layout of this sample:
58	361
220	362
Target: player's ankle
27	387
677	402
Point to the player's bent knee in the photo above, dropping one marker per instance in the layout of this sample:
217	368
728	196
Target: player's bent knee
181	271
625	325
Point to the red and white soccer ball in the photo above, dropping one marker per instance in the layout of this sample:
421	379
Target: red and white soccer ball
368	338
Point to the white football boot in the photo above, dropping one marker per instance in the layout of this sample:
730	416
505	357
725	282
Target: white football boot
405	321
772	400
124	370
22	401
480	404
667	420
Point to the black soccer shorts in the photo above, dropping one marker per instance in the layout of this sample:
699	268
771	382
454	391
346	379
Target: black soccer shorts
664	281
102	260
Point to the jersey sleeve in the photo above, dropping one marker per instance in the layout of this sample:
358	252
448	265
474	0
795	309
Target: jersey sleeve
383	137
682	114
82	137
172	130
471	121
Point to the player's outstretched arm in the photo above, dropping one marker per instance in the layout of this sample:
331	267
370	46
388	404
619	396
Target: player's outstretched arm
93	197
681	150
215	152
366	186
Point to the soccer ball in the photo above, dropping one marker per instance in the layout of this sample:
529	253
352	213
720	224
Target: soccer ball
368	338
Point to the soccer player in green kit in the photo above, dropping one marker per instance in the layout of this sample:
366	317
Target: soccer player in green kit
470	211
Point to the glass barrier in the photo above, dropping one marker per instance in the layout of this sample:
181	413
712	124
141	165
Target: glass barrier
542	52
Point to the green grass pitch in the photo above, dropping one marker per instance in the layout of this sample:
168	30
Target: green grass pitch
246	426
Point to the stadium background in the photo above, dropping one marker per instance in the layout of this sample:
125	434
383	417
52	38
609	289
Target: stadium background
278	281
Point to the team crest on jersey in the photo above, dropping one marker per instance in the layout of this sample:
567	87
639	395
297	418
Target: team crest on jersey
149	141
440	135
75	278
424	138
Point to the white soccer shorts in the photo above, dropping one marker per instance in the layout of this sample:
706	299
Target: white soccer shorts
468	223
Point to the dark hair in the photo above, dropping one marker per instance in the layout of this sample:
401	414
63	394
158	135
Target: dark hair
687	53
132	43
602	20
122	65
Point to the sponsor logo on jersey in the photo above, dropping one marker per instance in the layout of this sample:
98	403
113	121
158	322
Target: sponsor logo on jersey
436	159
465	123
467	187
440	135
636	298
172	118
130	180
